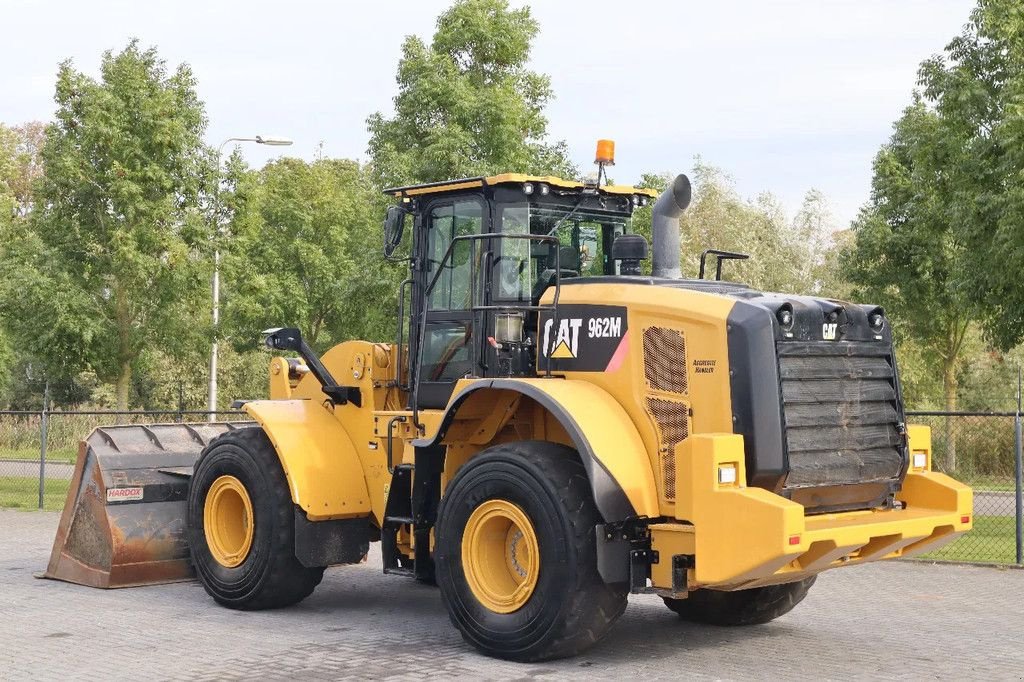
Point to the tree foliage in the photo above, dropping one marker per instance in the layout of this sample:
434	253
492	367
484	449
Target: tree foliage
21	165
304	252
112	257
905	254
975	89
467	104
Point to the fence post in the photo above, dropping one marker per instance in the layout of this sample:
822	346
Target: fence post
181	402
43	419
1018	466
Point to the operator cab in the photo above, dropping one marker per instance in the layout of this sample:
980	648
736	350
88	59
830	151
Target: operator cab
483	252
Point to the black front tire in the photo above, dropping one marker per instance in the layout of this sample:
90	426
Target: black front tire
270	576
744	607
570	607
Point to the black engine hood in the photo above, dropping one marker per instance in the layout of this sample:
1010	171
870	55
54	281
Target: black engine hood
810	313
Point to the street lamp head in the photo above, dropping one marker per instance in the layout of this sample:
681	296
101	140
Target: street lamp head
272	141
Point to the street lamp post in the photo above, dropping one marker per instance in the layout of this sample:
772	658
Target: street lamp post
270	141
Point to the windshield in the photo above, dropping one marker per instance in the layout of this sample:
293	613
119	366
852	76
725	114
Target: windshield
525	269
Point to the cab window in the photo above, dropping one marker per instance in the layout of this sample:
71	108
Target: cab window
453	289
524	269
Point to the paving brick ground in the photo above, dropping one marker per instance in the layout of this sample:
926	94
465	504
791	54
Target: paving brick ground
895	621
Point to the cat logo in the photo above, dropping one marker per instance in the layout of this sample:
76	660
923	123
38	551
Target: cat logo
583	338
828	331
566	344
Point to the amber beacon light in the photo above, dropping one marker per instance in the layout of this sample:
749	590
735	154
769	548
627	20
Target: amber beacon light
605	153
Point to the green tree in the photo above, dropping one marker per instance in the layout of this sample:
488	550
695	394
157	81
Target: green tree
905	254
20	167
467	104
813	236
305	252
112	260
8	156
975	89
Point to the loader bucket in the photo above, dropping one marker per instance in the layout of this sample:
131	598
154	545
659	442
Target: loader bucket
124	519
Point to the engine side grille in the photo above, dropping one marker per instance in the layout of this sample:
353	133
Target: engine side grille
672	420
842	424
665	360
665	374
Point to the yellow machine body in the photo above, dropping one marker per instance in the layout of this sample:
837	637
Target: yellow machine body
336	457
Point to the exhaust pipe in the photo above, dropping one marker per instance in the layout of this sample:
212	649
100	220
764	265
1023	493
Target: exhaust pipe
665	228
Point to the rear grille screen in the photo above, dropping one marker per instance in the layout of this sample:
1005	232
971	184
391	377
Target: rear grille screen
672	420
665	359
840	411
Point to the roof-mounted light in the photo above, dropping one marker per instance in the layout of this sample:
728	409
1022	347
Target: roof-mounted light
605	153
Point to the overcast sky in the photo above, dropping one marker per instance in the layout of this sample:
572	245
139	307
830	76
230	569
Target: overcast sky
783	95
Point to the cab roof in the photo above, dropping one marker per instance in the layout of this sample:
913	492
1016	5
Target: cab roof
511	179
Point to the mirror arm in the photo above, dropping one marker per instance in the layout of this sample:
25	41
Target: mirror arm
289	338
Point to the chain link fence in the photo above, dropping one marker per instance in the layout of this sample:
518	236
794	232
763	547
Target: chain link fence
38	449
982	450
38	452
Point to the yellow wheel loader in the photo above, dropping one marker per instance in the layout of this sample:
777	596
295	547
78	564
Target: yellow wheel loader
549	432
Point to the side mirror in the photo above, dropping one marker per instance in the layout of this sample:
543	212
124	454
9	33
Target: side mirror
283	338
394	226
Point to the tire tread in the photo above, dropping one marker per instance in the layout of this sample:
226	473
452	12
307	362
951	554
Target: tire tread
593	606
286	581
755	606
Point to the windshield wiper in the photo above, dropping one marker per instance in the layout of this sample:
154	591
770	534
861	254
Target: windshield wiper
568	215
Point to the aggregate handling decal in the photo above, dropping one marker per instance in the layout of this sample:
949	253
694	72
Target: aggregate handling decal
583	338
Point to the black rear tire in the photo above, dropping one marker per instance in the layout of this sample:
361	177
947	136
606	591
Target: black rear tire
743	607
570	608
270	576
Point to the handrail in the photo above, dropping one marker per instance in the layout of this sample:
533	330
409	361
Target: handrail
400	336
542	238
720	256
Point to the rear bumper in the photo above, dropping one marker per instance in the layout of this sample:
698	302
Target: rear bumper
747	537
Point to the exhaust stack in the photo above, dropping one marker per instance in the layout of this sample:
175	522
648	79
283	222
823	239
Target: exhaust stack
665	228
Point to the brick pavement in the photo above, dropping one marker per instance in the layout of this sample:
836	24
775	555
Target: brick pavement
895	620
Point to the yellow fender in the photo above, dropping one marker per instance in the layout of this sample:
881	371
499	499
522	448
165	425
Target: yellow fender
324	473
613	454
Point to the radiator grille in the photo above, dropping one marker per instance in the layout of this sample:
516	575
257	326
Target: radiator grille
672	420
665	360
842	424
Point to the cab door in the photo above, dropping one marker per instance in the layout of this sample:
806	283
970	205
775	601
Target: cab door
450	280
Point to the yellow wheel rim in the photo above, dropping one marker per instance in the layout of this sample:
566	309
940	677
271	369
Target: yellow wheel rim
500	556
227	521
